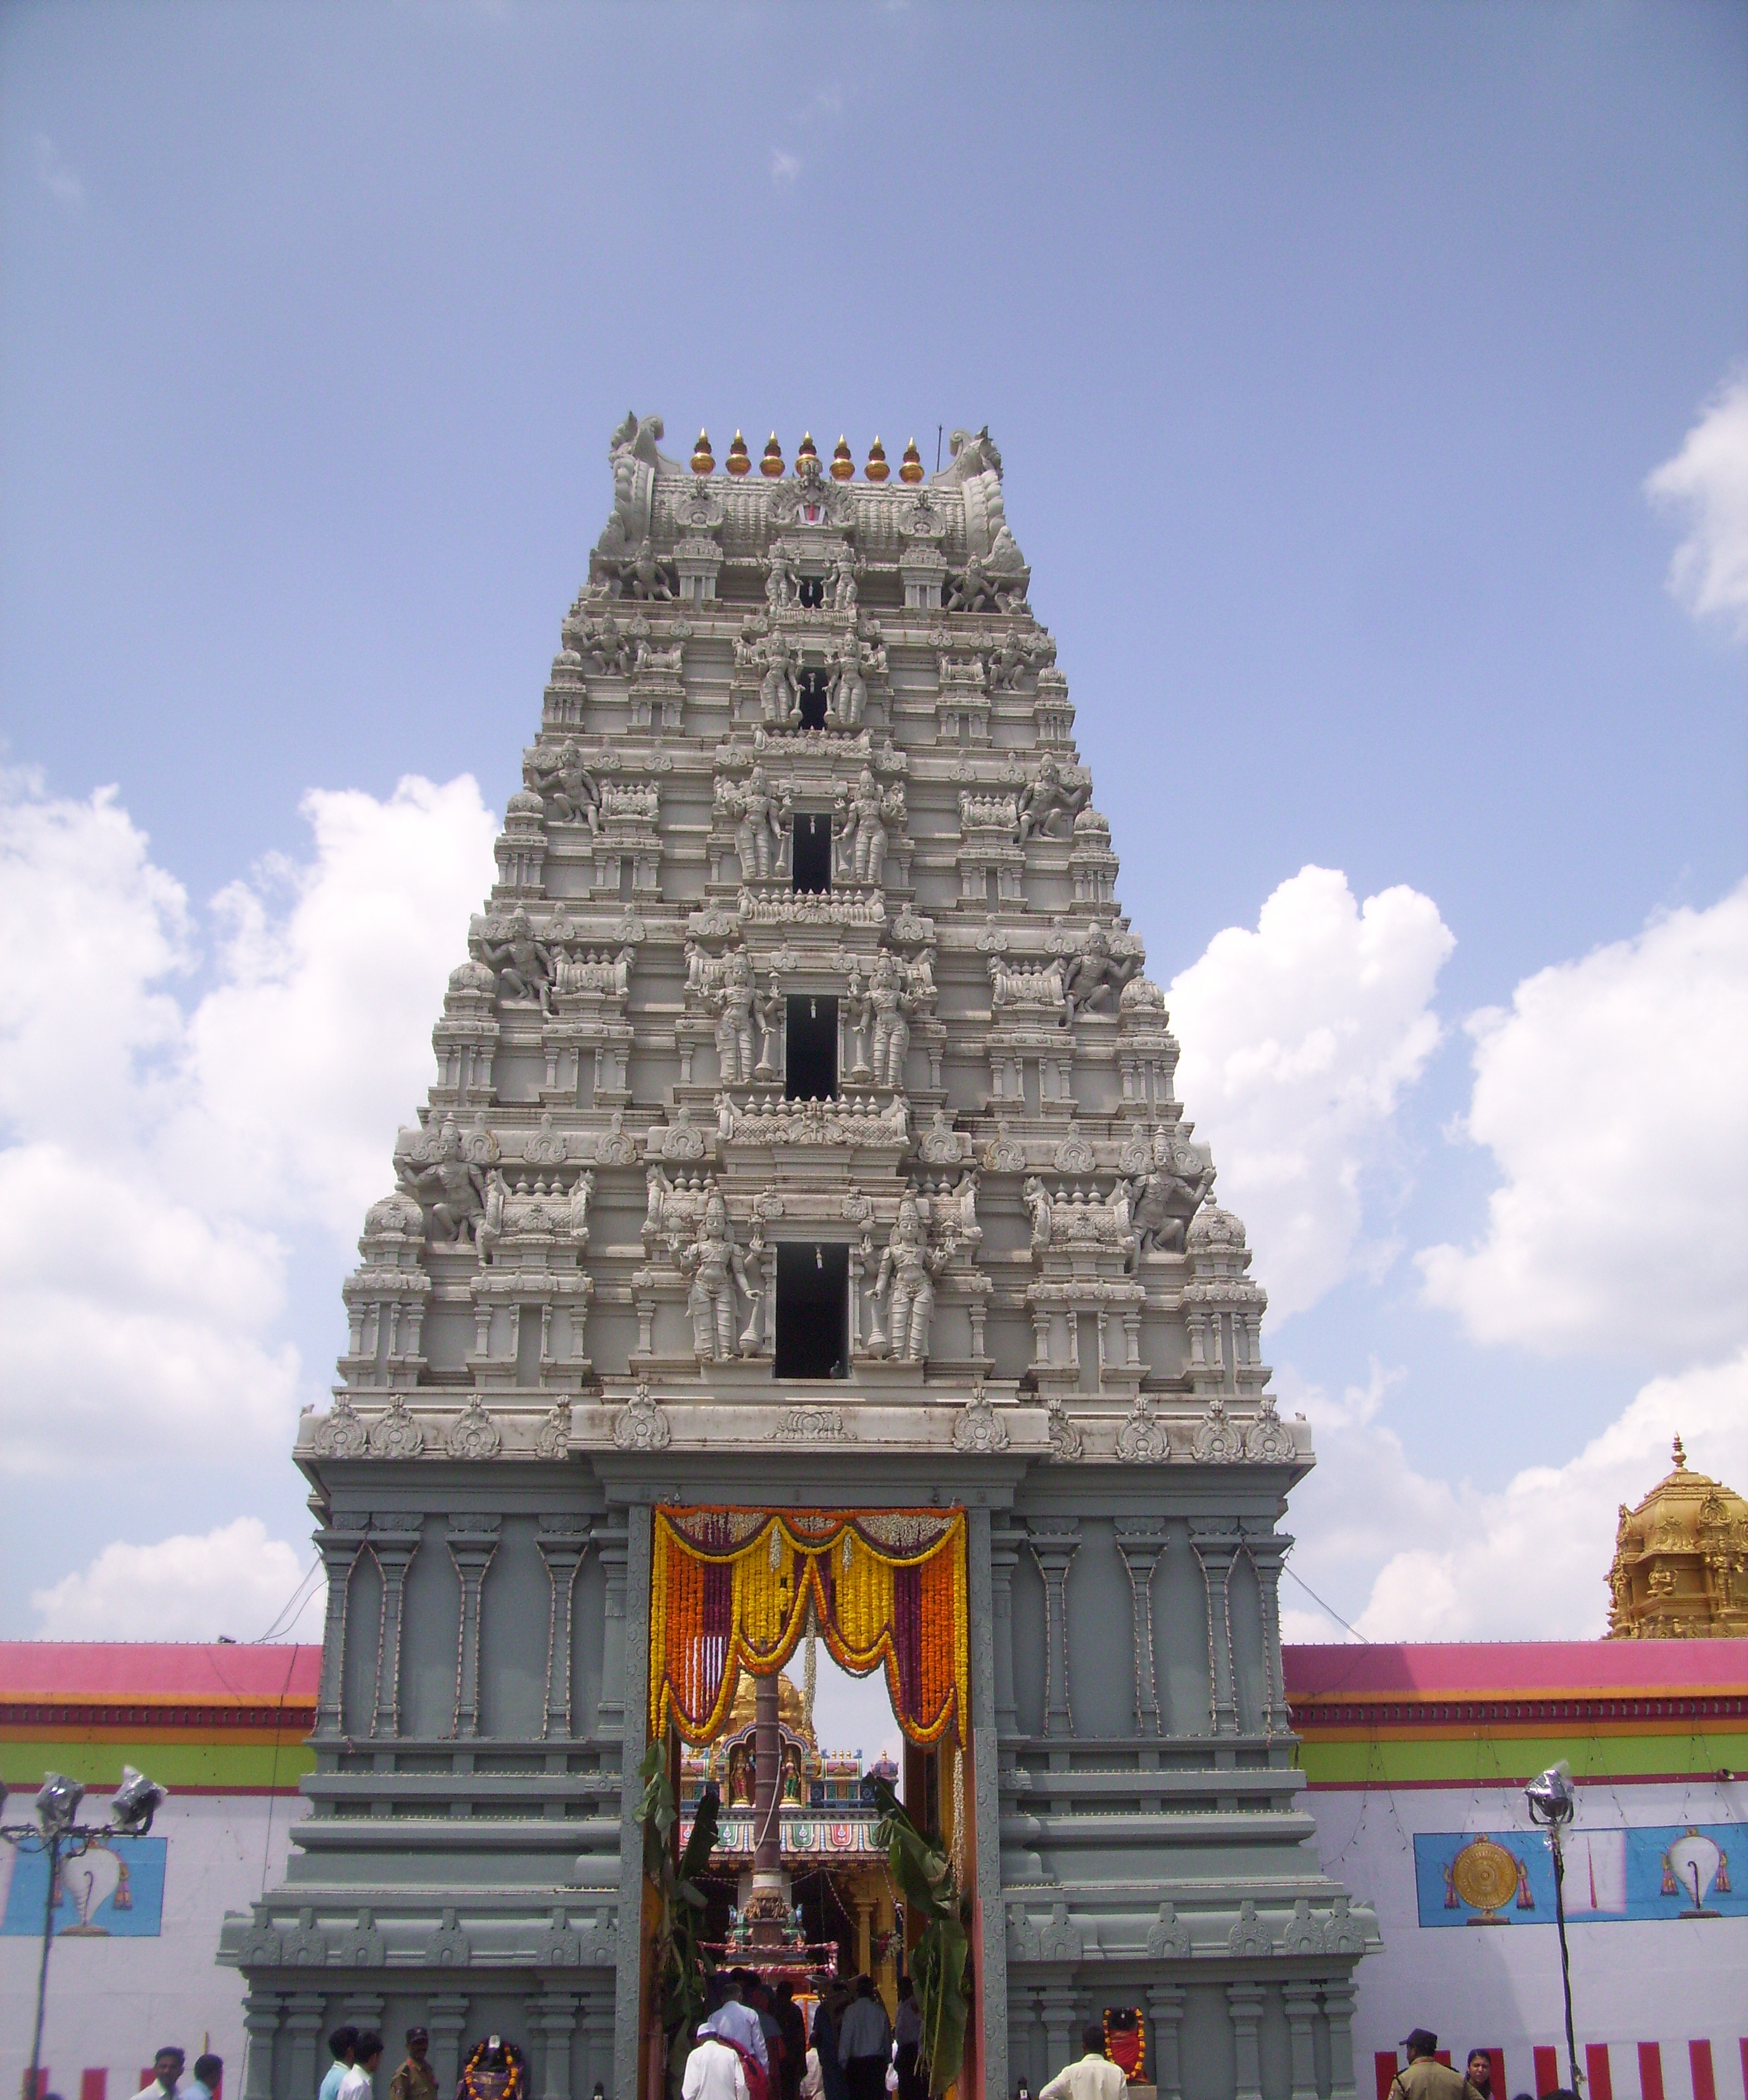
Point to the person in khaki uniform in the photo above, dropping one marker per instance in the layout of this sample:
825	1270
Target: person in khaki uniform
415	2079
1425	2078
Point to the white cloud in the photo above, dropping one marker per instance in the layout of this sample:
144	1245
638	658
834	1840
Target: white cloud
61	183
1611	1096
158	1149
1298	1040
784	167
1707	481
233	1582
1531	1561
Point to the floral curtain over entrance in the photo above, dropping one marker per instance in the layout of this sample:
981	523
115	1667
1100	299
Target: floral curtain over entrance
732	1587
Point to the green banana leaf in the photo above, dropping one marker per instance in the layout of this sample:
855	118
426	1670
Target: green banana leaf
940	1962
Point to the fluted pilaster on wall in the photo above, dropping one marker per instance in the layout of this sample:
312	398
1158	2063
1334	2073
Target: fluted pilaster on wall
1338	2014
1268	1551
612	1544
303	2024
339	1546
1165	2021
562	1543
632	1548
554	2015
1300	1999
1142	1542
987	1635
1055	1541
472	1540
260	2023
1216	1547
1244	2010
1004	1543
394	1541
446	2016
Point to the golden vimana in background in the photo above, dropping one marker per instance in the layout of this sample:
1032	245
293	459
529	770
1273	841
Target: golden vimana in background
1680	1566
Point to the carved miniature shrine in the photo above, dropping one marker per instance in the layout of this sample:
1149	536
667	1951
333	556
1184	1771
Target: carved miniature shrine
803	1238
1681	1568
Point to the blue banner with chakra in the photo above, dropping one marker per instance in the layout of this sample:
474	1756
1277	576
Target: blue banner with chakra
1672	1870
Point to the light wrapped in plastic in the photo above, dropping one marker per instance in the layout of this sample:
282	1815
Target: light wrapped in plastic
138	1799
58	1800
1551	1798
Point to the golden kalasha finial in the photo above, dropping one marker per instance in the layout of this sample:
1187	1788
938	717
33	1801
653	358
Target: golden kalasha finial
877	469
738	461
808	450
1681	1456
772	465
702	461
910	467
842	465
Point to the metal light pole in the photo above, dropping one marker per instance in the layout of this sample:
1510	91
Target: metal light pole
1552	1803
58	1838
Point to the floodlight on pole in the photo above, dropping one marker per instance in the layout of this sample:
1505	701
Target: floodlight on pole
58	1837
1552	1802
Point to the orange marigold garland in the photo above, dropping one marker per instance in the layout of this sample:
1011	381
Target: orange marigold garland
733	1587
1126	2041
478	2083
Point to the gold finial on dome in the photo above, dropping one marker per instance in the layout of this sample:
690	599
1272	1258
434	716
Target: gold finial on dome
772	465
808	450
877	469
842	464
703	461
739	459
910	467
1680	1566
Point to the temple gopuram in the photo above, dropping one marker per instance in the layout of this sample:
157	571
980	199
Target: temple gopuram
1680	1566
802	1241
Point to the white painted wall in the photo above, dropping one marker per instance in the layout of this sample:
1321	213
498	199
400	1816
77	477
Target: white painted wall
112	2002
1671	1981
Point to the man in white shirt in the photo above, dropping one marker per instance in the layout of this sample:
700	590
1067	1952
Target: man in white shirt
864	2043
713	2071
357	2084
1094	2077
166	2069
741	2024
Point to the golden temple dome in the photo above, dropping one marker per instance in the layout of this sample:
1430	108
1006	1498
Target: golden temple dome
1680	1568
791	1710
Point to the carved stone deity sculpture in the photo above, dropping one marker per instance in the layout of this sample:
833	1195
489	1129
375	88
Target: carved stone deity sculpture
1168	1195
524	965
714	1263
565	785
734	1003
846	696
759	837
892	1030
906	1277
857	1014
780	690
450	1188
862	841
1093	978
1047	801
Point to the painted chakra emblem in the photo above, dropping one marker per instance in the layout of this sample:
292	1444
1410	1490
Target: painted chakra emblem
1485	1876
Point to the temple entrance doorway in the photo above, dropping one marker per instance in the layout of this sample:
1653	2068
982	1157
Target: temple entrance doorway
797	1657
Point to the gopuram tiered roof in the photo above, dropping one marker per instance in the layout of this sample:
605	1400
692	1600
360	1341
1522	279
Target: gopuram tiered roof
804	1142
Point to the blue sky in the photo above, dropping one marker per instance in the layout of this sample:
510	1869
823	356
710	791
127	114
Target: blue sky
1329	350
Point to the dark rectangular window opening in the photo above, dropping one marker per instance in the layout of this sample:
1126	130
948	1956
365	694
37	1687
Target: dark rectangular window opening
811	590
812	1311
810	1048
814	694
810	855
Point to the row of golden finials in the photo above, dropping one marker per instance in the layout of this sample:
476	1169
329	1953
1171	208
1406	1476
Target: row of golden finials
842	466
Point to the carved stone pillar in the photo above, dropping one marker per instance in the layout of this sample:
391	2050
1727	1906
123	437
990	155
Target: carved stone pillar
473	1540
1217	1549
1141	1540
1244	2007
1299	1998
555	2014
303	2024
562	1546
339	1546
990	1638
1055	1541
1004	1557
611	1546
1268	1554
394	1540
445	2017
1338	2010
864	1935
1165	2017
260	2023
597	2041
1058	2009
